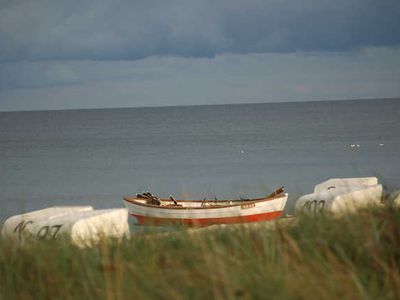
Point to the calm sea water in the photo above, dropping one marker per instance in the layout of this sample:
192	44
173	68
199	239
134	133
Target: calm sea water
96	156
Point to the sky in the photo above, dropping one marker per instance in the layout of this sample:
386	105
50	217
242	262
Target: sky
123	53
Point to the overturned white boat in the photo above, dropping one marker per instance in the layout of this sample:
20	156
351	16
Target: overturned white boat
341	195
82	225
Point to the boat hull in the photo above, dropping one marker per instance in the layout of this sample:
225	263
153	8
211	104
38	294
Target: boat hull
147	220
194	215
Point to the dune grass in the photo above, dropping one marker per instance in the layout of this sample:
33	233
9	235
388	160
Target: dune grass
355	257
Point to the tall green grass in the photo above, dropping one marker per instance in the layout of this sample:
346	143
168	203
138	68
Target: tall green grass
354	257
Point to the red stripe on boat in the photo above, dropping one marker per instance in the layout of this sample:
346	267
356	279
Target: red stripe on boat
145	220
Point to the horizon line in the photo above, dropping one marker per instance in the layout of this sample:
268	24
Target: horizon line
194	105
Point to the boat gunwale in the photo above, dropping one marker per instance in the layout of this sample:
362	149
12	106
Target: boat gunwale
250	201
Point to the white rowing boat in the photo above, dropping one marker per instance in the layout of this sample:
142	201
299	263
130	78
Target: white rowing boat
205	212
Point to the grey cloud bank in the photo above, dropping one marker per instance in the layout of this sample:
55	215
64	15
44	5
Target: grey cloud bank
89	54
113	30
158	81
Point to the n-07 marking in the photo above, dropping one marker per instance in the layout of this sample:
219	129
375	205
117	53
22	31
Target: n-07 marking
42	233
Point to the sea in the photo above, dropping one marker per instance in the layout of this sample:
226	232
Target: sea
97	156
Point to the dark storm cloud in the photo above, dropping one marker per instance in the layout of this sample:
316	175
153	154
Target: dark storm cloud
112	30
